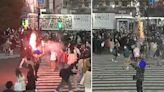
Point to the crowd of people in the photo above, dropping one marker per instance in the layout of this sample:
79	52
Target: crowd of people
136	51
71	58
9	41
117	43
78	67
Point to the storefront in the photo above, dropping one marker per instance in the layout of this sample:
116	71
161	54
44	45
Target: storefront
125	23
68	22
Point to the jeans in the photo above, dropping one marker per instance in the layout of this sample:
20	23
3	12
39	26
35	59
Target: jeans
139	85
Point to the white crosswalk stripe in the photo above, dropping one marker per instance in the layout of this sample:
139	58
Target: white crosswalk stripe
110	76
48	80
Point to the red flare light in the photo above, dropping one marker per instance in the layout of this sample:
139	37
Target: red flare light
33	41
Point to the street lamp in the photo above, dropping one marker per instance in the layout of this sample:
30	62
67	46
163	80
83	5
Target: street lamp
147	15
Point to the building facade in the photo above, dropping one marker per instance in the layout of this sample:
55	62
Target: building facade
150	8
66	6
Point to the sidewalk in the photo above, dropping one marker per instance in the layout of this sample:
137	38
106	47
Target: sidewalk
5	56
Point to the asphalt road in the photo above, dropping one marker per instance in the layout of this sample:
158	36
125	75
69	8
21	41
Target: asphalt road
7	71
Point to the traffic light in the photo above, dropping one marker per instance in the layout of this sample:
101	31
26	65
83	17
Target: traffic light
25	23
60	25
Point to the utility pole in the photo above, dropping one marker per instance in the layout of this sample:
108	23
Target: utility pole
147	15
38	18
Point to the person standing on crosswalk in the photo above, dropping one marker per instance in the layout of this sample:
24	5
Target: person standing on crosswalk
126	54
65	74
139	77
31	85
53	60
20	84
115	51
86	80
111	45
72	56
136	52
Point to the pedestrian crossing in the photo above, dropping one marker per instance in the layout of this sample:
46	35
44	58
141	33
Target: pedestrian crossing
110	76
49	80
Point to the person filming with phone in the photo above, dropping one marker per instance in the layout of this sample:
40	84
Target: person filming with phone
139	77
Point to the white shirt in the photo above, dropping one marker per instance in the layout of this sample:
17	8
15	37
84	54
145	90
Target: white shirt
136	52
53	55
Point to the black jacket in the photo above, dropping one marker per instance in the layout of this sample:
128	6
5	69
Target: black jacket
65	73
31	81
139	72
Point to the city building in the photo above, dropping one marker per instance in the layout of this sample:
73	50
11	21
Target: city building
66	6
124	13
